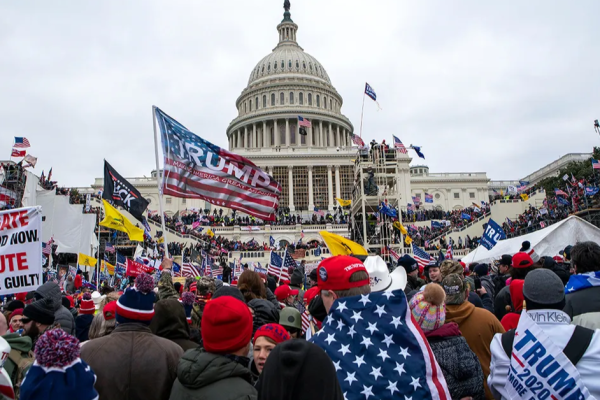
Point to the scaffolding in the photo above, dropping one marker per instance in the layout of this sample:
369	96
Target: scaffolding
12	186
377	180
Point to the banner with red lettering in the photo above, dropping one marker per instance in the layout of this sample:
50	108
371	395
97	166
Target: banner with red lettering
20	250
135	268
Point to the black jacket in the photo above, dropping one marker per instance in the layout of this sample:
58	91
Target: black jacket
502	303
583	306
413	283
208	376
82	326
170	323
265	312
459	364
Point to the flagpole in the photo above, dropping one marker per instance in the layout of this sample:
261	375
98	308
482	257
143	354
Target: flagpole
158	178
361	114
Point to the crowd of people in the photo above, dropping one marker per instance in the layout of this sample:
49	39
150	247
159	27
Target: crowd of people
261	338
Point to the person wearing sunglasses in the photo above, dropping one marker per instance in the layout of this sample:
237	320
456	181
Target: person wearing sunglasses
37	318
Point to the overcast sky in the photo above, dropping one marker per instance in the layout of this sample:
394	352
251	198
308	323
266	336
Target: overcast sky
502	88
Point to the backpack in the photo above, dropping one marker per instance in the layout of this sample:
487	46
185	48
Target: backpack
574	350
22	365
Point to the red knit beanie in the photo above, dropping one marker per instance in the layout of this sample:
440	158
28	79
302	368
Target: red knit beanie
275	332
87	305
226	325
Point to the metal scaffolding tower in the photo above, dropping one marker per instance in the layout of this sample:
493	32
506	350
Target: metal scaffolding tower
380	176
13	178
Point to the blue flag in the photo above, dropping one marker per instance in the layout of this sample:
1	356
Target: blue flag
466	216
272	241
562	201
385	209
493	233
436	225
591	191
417	150
318	251
377	350
370	92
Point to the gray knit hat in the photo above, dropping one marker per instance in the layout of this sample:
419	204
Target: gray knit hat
542	286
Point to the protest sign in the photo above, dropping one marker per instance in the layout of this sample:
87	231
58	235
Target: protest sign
493	233
20	250
135	268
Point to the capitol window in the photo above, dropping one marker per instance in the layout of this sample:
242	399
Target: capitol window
457	195
282	64
264	100
169	199
263	69
318	101
269	67
437	196
250	106
245	108
325	102
290	64
310	66
291	97
303	64
275	65
310	99
330	104
301	98
256	102
281	98
272	99
297	65
471	195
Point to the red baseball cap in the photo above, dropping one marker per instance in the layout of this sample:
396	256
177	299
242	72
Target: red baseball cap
284	291
334	273
310	294
521	260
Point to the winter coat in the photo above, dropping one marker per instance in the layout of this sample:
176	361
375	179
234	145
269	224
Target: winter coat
271	297
169	322
62	315
583	306
413	283
132	363
265	312
499	282
478	327
70	286
459	364
208	376
166	289
78	282
502	303
82	326
22	344
488	284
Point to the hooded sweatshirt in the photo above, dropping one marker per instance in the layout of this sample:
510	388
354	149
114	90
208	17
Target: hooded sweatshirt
265	312
208	376
478	327
22	344
297	370
511	320
62	316
170	323
82	326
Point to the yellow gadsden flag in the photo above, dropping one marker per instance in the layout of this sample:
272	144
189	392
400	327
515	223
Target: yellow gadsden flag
343	203
210	233
339	245
525	197
86	260
113	219
108	267
408	240
398	225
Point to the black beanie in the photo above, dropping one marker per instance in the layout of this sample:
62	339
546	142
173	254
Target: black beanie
408	263
525	246
15	305
41	311
229	291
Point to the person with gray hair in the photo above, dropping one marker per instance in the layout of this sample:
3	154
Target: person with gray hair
583	288
544	301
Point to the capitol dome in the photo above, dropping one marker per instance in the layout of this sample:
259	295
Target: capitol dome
290	123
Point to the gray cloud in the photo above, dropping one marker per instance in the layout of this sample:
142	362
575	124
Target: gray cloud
503	88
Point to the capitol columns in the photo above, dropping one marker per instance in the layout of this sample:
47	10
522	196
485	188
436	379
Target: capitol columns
321	143
276	134
254	142
287	132
330	186
246	139
337	135
264	135
337	182
329	137
291	187
311	201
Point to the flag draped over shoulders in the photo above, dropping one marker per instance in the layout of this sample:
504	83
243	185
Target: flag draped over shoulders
377	350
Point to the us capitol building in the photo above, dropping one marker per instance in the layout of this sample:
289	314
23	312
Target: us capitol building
315	168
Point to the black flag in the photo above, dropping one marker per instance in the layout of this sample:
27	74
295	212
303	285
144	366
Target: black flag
119	192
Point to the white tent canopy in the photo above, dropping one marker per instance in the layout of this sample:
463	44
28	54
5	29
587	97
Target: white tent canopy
545	242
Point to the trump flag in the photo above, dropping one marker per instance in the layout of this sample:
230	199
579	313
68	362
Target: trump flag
195	168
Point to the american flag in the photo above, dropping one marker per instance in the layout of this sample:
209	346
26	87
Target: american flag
109	248
46	248
275	267
319	212
21	142
559	192
197	169
217	271
410	207
357	140
595	164
121	266
304	316
377	350
449	255
421	256
399	146
395	255
304	122
288	262
188	269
